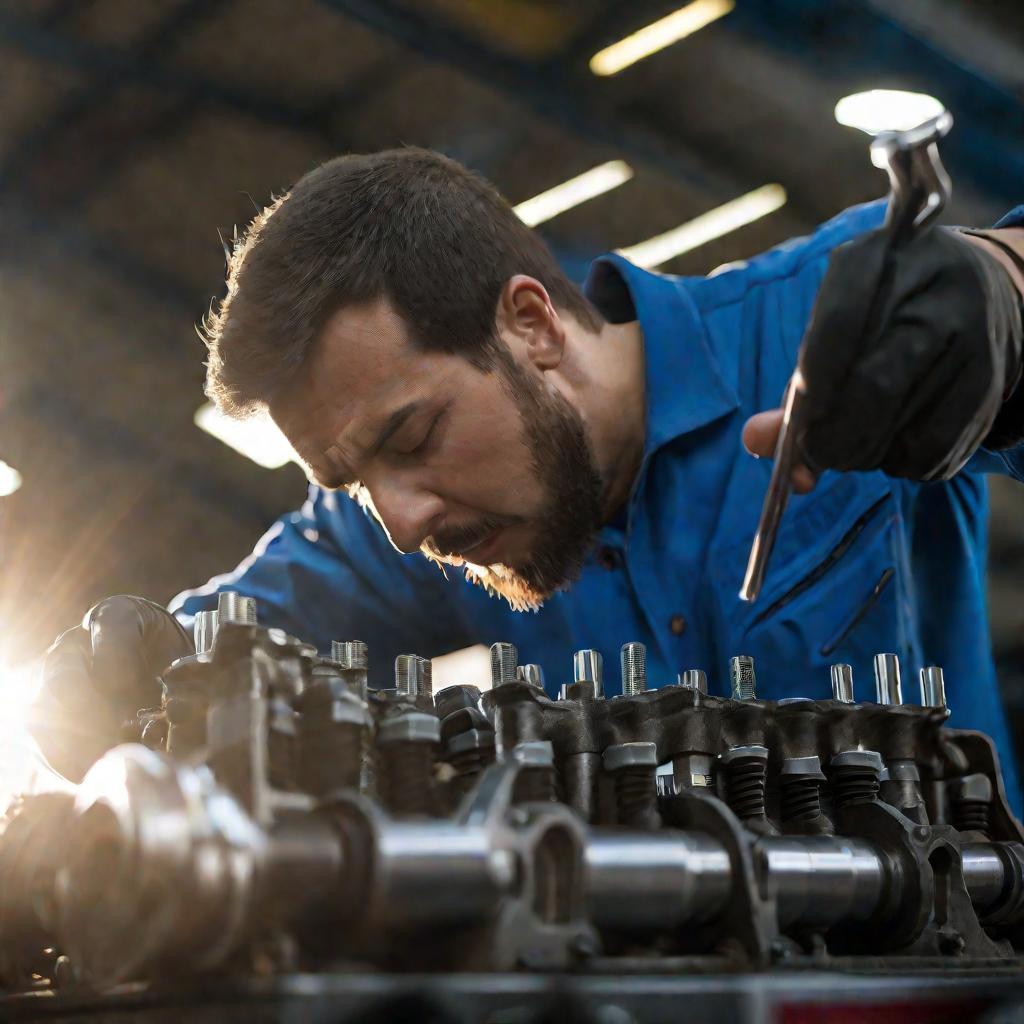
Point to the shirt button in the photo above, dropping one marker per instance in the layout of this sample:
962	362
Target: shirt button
607	558
677	624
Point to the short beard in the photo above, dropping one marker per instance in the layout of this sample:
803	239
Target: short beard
571	514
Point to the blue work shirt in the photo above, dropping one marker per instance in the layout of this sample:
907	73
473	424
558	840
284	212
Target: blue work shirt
864	563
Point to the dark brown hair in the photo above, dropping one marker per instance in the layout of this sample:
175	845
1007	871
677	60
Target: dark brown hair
408	225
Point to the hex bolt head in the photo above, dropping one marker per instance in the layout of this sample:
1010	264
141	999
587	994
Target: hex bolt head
747	750
618	756
534	754
411	727
471	739
858	758
806	767
971	787
742	677
452	698
504	661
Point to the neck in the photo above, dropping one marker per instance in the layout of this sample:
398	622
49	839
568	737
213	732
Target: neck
613	405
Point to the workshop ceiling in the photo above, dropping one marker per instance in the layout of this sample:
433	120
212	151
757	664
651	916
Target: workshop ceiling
131	132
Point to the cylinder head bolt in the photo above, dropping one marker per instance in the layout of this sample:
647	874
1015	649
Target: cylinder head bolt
536	781
933	687
741	674
407	742
888	689
971	797
634	767
747	769
504	661
235	607
842	683
588	673
633	659
424	677
694	679
855	777
204	631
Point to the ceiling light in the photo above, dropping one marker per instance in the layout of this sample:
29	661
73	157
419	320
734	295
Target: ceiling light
659	34
886	110
587	185
257	438
713	224
10	479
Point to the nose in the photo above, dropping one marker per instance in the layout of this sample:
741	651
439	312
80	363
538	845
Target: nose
408	514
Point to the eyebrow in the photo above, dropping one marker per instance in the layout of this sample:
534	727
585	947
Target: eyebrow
393	423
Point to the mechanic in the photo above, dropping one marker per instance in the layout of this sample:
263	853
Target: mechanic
586	456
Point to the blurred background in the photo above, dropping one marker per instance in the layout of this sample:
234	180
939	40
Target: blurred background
132	132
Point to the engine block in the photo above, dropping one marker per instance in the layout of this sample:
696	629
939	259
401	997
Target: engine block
280	816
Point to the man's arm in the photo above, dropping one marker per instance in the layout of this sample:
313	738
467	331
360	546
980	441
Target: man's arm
919	375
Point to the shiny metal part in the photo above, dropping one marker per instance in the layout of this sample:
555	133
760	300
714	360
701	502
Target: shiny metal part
407	674
350	654
204	631
888	689
630	755
694	679
633	659
588	666
842	683
933	687
424	677
504	662
742	677
532	674
234	607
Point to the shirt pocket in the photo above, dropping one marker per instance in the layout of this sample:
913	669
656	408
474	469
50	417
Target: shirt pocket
835	590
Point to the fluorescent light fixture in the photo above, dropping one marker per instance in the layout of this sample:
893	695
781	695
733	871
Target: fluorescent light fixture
713	224
886	110
10	479
587	185
257	438
659	34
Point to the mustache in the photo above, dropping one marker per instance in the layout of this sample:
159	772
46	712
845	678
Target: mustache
452	543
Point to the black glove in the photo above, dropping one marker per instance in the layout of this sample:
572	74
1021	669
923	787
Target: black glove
98	676
908	370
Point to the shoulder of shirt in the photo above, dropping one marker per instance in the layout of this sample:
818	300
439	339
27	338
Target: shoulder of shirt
731	282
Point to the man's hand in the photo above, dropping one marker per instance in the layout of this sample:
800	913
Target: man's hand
908	377
97	676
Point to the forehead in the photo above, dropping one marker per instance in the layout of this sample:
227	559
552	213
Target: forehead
360	368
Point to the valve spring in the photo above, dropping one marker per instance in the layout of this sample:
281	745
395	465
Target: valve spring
636	794
331	758
408	777
971	815
746	787
854	784
801	798
534	785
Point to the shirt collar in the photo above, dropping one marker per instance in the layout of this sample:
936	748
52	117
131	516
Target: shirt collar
685	385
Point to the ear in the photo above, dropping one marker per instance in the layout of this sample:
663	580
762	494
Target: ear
528	321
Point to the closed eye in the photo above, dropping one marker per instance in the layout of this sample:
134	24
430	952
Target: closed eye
428	437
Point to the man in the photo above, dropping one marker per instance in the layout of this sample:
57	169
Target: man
581	455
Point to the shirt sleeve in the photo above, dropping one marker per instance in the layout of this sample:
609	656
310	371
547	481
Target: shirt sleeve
328	572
